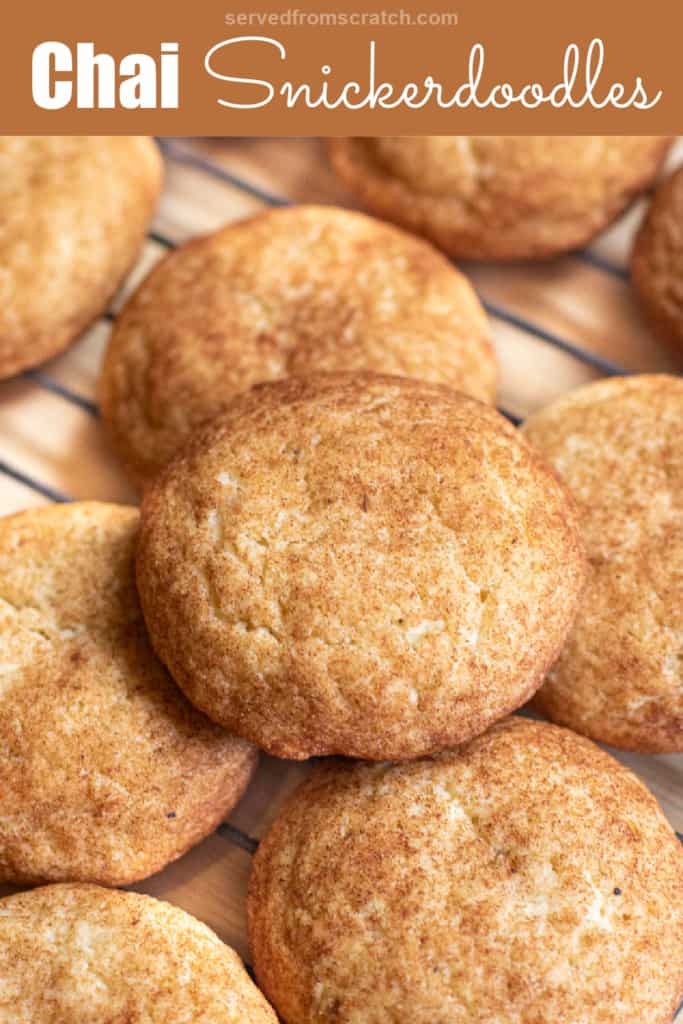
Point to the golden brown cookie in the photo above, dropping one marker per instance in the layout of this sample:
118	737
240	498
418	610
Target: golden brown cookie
106	772
286	293
500	197
619	447
73	215
527	877
78	954
657	262
357	564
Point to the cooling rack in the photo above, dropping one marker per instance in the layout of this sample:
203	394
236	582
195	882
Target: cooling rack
556	326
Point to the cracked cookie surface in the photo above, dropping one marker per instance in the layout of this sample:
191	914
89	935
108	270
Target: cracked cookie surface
73	215
106	771
79	954
500	197
525	877
618	446
285	293
358	564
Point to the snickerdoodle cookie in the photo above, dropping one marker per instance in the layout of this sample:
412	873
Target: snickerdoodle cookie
73	215
358	564
525	877
106	772
618	445
500	197
286	293
79	954
657	262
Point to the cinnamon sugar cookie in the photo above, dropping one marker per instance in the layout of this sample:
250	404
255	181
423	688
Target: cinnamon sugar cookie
525	877
78	954
500	197
657	262
358	564
618	446
73	215
106	772
288	292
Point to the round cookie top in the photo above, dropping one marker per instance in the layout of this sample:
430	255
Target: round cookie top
500	197
618	446
288	292
526	877
106	772
657	262
73	215
79	954
358	564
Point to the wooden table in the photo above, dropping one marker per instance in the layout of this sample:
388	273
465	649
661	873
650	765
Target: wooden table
49	433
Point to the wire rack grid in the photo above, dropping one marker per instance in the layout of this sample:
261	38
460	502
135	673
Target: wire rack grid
245	169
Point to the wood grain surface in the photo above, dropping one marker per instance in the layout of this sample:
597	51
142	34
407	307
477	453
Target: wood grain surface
49	429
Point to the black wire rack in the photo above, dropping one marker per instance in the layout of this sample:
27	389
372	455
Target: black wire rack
178	153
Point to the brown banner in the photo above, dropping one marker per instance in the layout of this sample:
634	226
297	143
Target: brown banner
339	67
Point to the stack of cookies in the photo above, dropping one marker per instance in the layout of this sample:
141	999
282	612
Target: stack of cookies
343	551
